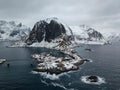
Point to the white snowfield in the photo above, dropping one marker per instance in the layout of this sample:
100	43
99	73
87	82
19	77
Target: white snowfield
112	36
7	29
90	42
81	36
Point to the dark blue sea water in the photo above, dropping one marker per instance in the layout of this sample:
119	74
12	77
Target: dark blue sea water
106	64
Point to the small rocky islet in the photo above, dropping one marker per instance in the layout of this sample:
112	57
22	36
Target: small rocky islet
92	78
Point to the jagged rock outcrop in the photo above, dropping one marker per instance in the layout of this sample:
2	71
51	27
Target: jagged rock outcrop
48	30
94	35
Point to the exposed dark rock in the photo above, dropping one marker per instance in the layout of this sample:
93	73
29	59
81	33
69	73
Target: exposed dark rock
2	22
2	32
92	78
8	65
88	49
43	30
13	33
94	34
19	25
55	70
87	34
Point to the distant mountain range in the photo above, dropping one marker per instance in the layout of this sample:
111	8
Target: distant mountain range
87	35
13	31
112	37
50	31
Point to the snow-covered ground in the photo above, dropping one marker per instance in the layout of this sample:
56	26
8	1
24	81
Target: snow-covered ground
112	36
90	42
82	35
57	65
13	31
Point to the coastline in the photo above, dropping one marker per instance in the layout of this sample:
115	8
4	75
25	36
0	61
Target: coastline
57	65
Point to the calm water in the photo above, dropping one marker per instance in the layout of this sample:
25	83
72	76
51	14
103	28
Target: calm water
106	64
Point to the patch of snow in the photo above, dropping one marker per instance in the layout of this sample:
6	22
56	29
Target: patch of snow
81	35
8	28
43	44
2	60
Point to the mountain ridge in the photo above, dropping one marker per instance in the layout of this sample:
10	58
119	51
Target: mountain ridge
51	30
13	31
48	30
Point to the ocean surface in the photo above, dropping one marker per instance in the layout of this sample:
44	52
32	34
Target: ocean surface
19	76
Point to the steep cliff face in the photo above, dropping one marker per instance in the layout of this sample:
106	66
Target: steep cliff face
94	35
48	30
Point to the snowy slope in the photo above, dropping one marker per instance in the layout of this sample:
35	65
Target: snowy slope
13	31
86	35
112	36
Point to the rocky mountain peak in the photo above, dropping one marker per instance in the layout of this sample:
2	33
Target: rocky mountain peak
47	30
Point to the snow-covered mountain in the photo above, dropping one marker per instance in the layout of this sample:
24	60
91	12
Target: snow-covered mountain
87	35
13	31
49	32
112	36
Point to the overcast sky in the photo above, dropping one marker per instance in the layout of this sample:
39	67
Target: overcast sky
100	14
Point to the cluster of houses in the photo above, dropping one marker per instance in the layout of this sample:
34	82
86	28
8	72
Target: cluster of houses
51	64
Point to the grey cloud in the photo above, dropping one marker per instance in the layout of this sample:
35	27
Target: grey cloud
101	13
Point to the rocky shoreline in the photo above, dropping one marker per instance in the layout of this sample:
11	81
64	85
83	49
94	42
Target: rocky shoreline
57	65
